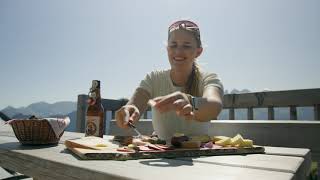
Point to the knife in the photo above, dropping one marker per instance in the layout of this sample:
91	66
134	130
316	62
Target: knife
135	129
130	124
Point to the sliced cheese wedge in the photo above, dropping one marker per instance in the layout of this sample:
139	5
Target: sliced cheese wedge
238	139
224	142
218	138
247	143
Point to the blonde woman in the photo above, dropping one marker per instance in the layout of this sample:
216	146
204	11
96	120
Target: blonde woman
185	98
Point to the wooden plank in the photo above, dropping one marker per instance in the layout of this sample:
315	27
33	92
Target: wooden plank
303	97
112	104
258	161
293	113
250	113
270	113
317	112
4	174
81	112
231	114
294	152
54	162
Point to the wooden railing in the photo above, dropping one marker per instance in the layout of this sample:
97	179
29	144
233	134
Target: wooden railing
274	99
269	100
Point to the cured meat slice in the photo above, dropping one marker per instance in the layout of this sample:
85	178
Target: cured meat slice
125	149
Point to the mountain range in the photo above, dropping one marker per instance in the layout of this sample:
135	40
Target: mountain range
43	109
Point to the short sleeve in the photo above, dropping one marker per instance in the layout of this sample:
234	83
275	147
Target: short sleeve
212	80
146	84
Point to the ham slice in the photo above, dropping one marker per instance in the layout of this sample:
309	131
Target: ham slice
164	147
145	148
125	149
153	148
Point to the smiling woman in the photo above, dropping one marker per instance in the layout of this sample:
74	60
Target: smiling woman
185	98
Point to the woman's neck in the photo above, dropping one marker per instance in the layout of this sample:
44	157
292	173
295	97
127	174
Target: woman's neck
180	78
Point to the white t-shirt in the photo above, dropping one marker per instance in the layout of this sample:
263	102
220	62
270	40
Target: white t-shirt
159	83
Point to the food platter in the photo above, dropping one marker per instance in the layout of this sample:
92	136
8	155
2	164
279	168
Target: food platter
118	148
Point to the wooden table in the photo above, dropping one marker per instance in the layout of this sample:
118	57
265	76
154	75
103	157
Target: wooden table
56	162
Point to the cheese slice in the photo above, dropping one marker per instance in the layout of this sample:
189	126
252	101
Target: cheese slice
89	142
224	142
238	139
218	138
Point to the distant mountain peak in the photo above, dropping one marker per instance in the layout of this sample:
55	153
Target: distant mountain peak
42	109
9	107
236	91
40	102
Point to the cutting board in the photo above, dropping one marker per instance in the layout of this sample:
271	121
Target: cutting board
90	149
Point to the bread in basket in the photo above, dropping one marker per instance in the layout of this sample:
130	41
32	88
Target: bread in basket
36	131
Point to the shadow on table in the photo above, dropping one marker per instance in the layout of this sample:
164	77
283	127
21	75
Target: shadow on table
166	162
19	146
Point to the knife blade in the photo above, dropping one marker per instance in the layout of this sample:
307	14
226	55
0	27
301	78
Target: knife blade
130	124
135	129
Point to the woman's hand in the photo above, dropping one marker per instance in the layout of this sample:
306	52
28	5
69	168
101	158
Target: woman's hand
126	114
178	102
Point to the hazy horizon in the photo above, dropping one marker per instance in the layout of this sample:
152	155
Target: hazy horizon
51	50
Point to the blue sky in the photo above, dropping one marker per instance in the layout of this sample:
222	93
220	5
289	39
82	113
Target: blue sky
51	50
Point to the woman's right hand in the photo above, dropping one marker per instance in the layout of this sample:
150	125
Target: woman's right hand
126	114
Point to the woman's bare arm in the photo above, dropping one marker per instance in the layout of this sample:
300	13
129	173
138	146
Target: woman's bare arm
135	107
140	99
210	104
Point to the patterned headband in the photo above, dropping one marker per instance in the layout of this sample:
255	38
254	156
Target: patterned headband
187	25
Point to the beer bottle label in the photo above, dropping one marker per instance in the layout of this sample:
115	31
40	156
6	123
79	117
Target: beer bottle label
93	125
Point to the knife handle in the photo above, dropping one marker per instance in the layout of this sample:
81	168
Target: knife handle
130	124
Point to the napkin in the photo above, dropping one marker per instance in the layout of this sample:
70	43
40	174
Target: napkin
57	124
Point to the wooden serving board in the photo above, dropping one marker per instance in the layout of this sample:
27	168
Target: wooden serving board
110	151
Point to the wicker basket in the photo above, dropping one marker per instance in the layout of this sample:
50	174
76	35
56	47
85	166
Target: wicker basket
34	132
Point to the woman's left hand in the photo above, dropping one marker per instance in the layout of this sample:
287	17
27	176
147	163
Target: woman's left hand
176	101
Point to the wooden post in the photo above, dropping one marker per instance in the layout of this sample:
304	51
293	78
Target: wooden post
250	113
113	115
81	112
270	113
231	113
293	113
145	115
317	112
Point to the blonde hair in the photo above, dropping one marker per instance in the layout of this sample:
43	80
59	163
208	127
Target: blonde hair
192	86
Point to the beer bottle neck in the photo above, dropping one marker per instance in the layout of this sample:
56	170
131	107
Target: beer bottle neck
98	98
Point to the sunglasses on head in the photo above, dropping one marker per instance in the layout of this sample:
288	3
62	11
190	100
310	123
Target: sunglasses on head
184	24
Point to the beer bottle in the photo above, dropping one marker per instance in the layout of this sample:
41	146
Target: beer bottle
95	112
